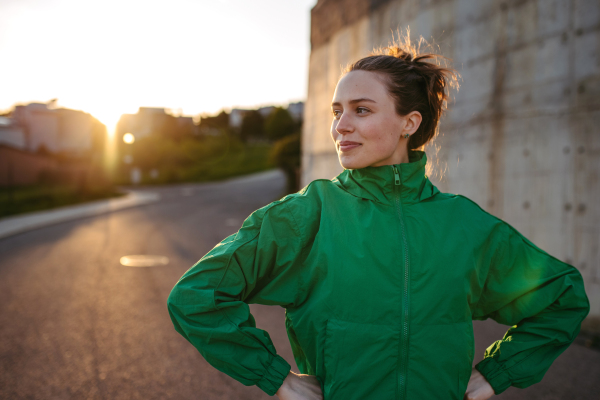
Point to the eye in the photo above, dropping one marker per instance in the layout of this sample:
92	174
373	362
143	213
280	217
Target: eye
362	110
336	114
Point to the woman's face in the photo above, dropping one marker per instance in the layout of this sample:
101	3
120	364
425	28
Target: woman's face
366	129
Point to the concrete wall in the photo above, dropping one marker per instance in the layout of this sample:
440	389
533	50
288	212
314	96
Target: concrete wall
522	137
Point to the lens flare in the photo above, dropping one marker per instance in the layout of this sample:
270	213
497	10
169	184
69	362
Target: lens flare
128	138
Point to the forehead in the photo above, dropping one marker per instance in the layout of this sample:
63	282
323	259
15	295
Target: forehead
359	84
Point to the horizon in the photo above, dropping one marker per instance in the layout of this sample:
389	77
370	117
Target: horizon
168	110
115	62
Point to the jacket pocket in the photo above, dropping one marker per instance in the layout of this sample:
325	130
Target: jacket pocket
440	360
360	361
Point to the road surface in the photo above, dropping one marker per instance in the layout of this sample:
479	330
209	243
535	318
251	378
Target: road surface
76	324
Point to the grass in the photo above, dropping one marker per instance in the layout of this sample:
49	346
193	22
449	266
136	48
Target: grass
24	199
210	159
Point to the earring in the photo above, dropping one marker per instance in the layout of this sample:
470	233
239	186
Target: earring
406	135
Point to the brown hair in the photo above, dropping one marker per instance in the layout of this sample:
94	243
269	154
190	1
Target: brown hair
414	83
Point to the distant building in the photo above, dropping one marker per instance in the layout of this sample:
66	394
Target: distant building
75	131
296	110
40	126
185	122
11	134
145	122
151	121
236	117
55	130
35	131
266	111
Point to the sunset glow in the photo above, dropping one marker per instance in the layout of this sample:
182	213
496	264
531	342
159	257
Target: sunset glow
109	58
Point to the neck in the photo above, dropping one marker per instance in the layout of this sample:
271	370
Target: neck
400	156
379	183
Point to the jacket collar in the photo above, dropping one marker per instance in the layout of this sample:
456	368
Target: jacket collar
377	183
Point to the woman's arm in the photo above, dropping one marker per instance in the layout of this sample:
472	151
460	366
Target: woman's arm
478	387
543	300
300	387
209	304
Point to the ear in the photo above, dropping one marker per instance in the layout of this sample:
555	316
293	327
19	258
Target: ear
413	121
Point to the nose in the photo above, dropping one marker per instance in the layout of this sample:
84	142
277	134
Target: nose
344	126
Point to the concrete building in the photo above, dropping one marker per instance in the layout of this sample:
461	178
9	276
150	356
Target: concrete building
521	134
55	129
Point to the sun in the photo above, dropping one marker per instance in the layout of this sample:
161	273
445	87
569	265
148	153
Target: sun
128	138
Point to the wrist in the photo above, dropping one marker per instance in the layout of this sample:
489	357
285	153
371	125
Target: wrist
285	386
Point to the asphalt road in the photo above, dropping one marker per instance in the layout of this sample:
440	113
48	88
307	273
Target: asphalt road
75	324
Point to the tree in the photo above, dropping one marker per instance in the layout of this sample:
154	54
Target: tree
218	123
279	124
286	155
252	126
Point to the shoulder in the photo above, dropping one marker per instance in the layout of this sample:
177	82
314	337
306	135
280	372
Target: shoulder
459	201
466	212
295	212
309	199
304	207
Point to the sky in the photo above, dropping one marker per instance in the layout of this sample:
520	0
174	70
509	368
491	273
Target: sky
191	56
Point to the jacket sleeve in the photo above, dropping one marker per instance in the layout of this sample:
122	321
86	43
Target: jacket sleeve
541	297
209	304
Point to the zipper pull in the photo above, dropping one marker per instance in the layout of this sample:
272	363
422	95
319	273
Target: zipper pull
396	175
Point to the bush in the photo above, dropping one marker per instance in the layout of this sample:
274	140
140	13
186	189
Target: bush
194	160
279	124
286	155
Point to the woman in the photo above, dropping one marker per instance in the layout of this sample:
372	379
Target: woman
379	272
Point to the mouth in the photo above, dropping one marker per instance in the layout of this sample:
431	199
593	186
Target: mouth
347	145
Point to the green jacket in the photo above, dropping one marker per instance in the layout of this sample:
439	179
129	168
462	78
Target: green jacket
380	275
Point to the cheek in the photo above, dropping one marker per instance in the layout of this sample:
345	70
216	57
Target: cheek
382	137
382	142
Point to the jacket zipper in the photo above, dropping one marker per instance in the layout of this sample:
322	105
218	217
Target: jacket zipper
404	359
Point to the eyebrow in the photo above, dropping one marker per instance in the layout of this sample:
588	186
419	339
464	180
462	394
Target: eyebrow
354	101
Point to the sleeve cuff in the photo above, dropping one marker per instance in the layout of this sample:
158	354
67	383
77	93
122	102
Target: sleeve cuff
275	375
495	374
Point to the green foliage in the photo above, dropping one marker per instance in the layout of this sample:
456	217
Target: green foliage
286	155
193	159
279	124
220	121
253	126
22	199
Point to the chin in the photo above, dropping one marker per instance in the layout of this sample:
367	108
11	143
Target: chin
351	162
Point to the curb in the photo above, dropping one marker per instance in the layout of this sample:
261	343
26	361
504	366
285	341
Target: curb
19	224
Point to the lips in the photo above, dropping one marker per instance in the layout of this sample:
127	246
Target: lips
347	145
